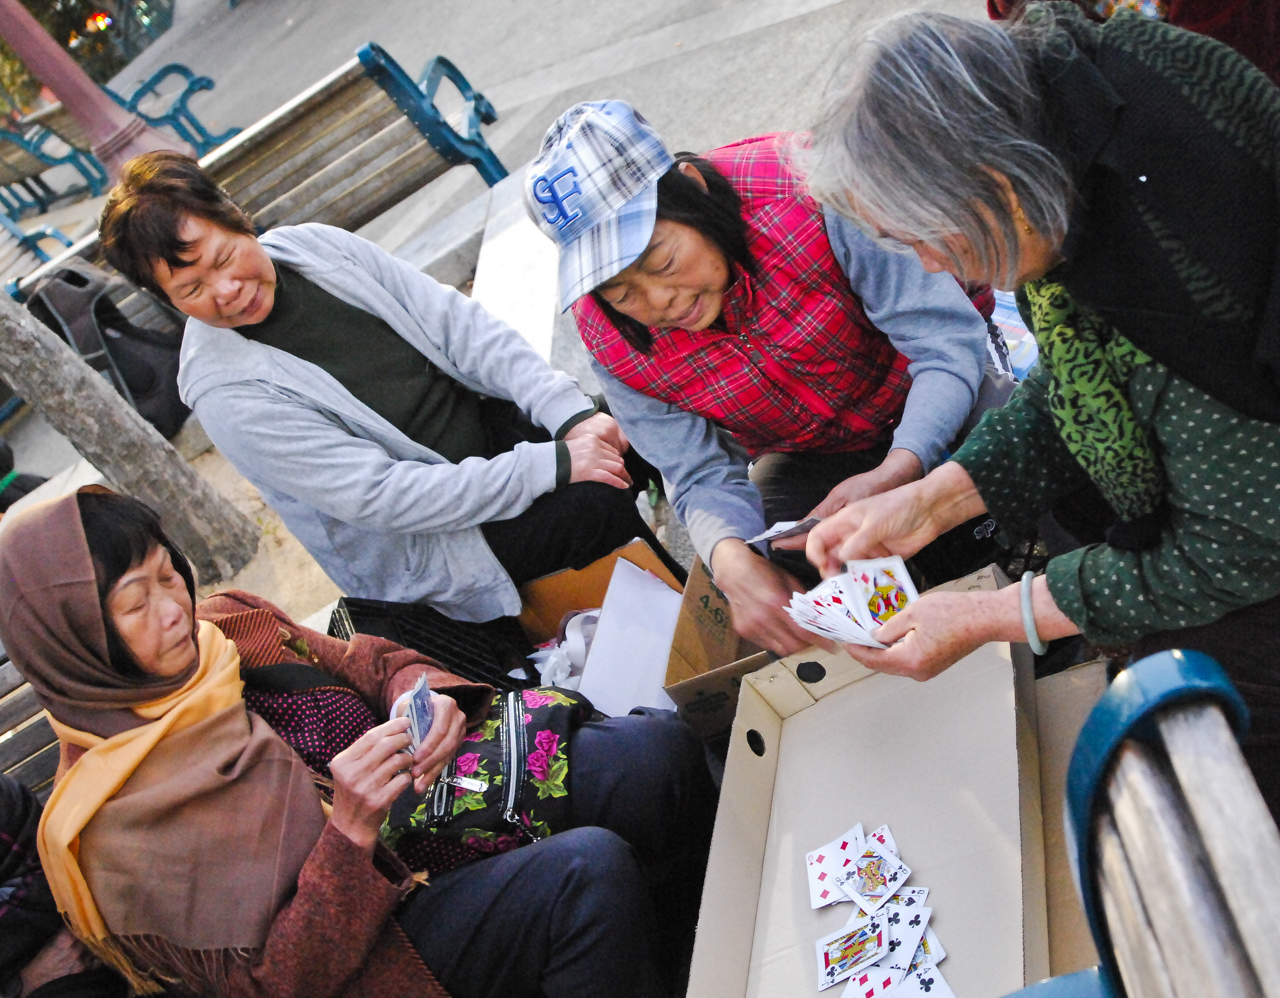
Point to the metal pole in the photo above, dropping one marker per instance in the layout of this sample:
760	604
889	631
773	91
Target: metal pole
116	135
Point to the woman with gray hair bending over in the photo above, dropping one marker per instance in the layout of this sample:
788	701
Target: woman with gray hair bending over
1124	177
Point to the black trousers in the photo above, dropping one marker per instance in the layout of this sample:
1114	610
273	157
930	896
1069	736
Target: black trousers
791	484
606	908
572	526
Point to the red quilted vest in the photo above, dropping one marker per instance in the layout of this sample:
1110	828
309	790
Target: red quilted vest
797	366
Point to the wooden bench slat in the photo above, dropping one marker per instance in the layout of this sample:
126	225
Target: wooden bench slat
17	707
384	189
37	770
314	198
295	153
17	746
10	678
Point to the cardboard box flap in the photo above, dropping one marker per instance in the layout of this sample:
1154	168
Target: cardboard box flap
704	638
546	600
781	689
823	672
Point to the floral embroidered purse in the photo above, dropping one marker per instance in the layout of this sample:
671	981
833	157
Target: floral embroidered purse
508	784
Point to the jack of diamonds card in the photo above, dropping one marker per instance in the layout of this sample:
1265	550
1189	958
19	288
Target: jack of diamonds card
874	877
825	864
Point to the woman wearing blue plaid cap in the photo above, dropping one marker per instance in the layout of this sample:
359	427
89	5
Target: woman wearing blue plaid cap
730	319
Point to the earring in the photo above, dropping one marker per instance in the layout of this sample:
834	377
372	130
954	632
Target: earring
1022	217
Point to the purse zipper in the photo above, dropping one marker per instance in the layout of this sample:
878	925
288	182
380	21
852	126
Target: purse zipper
513	737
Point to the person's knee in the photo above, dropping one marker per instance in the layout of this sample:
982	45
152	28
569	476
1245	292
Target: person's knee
593	863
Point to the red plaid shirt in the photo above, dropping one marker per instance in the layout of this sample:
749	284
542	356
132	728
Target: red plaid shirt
797	365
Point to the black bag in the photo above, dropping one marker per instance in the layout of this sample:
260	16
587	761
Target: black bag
141	364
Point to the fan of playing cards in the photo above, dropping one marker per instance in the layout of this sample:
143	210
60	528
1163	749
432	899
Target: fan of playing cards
849	607
887	947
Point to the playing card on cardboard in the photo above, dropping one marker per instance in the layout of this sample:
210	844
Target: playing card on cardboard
885	838
924	982
910	896
825	863
880	588
870	982
906	929
874	877
928	951
857	945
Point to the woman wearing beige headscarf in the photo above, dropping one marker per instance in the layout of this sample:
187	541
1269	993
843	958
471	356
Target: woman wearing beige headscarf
188	846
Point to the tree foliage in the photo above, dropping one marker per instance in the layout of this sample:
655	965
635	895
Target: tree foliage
68	22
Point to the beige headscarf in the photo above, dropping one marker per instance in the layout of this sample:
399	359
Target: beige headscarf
174	840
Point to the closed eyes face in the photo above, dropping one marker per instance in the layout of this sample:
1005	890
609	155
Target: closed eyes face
151	610
227	281
679	280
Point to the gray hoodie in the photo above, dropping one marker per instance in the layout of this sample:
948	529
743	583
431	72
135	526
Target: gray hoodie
385	517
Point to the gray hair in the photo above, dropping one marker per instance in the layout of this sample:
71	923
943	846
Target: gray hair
930	110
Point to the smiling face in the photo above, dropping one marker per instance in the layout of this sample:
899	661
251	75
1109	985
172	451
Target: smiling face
151	610
229	280
679	280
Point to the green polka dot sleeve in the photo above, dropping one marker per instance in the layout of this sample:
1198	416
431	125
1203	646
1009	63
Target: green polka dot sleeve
1221	548
1017	460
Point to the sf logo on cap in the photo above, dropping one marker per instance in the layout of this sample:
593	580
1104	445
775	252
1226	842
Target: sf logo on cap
555	193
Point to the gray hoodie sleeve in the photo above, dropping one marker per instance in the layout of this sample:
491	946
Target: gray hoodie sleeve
706	475
282	440
929	319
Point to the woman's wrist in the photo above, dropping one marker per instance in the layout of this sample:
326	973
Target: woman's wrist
950	496
998	615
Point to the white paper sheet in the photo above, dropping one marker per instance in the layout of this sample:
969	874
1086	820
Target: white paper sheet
628	662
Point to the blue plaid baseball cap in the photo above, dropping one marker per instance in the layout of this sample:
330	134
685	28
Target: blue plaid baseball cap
594	191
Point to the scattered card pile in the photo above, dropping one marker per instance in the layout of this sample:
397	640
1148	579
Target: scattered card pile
849	607
886	948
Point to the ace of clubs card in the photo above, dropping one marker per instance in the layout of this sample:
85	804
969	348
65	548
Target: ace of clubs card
874	877
863	941
823	865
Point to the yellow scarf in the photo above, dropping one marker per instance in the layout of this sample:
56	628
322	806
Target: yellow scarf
109	762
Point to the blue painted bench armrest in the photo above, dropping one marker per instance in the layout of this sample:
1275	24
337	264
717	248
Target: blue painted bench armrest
1084	984
417	103
179	117
1127	710
33	142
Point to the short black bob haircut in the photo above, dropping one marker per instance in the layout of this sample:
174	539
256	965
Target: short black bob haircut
122	532
715	212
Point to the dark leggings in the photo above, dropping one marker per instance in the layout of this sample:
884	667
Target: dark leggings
572	526
607	907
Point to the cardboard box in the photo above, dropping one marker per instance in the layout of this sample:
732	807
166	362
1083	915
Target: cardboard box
952	766
546	600
1063	701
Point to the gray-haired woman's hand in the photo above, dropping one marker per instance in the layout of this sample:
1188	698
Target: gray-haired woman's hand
900	521
368	776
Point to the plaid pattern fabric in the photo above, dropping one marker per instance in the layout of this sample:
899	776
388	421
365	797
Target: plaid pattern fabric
593	190
797	365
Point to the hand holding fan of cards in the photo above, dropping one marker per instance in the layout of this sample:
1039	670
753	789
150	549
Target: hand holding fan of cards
849	607
887	947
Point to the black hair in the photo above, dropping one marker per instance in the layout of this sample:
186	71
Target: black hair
715	212
122	532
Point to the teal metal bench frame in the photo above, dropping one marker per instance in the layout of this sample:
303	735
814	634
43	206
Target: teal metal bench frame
179	117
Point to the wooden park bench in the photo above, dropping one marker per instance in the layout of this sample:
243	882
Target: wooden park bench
24	157
342	152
